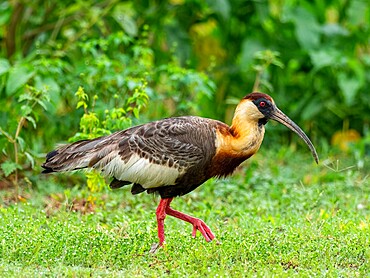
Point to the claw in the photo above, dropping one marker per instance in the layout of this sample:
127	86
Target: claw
198	224
154	247
202	228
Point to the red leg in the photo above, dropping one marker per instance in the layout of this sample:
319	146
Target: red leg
164	208
197	223
161	215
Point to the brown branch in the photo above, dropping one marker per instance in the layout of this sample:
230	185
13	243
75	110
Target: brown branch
10	35
30	35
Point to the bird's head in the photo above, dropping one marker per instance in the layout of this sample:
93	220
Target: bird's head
260	108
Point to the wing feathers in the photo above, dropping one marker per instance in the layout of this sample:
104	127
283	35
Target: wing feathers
153	155
117	183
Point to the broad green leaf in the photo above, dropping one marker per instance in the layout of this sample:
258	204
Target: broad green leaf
307	29
349	87
357	11
4	66
332	30
5	14
324	57
123	14
249	47
18	77
9	167
222	7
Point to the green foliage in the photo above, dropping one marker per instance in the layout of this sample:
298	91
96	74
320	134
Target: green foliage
324	47
265	59
105	63
94	181
116	118
181	91
90	125
16	149
106	58
182	57
8	167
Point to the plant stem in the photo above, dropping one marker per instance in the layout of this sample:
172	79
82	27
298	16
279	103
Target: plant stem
257	81
15	144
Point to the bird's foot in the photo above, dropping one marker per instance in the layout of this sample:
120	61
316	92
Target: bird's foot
202	227
155	247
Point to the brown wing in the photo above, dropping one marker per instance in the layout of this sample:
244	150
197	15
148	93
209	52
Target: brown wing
156	154
166	153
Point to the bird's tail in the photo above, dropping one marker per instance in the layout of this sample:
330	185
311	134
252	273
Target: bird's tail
78	155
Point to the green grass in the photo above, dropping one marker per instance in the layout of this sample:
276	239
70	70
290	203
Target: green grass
280	216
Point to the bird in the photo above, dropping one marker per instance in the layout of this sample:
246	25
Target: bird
174	156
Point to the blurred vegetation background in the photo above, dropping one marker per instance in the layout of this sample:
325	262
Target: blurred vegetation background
80	69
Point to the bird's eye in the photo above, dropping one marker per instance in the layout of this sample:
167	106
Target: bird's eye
262	104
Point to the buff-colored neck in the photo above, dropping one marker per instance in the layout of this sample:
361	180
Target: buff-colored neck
246	134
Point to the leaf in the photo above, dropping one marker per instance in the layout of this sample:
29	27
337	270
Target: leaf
30	159
31	120
81	94
349	87
26	110
95	182
311	109
307	29
222	7
42	104
249	47
324	57
52	86
81	103
25	96
21	142
356	12
136	112
123	14
18	77
4	66
9	167
5	14
332	30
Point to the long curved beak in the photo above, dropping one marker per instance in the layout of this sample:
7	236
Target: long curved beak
280	117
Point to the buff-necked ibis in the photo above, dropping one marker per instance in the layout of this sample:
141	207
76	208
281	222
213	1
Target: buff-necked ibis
176	155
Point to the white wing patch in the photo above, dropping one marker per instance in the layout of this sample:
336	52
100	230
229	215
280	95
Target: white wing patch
140	170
